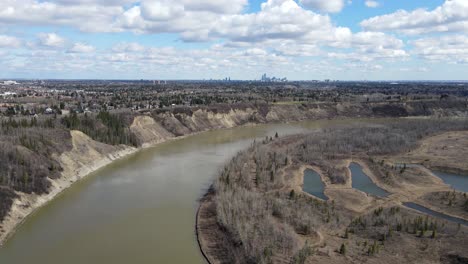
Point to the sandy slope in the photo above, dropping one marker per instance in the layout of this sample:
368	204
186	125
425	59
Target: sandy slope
85	157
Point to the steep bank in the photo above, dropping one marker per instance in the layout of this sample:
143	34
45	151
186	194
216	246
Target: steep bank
87	155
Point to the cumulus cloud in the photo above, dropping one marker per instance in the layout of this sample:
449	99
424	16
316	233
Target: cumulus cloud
277	19
51	40
9	42
117	15
81	48
216	6
92	16
288	34
328	6
128	47
451	48
452	16
371	46
371	3
161	10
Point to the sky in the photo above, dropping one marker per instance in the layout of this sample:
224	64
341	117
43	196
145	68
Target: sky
240	39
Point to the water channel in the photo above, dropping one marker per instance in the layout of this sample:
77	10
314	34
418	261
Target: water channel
140	209
430	212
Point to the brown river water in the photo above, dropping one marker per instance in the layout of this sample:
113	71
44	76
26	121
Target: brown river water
140	209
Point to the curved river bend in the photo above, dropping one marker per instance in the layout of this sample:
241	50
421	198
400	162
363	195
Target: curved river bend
140	209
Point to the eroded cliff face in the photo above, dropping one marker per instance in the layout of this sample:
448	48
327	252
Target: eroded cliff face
184	123
181	122
148	131
88	155
85	157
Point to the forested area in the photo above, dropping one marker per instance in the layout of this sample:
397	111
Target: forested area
29	148
260	217
324	148
104	127
261	220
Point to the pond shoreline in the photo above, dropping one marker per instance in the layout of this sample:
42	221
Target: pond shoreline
393	197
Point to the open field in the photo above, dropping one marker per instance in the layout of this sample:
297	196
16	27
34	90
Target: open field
445	152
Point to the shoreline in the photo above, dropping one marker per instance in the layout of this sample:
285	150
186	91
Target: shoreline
206	239
19	213
201	207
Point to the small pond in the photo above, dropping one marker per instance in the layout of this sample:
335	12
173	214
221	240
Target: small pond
457	182
363	183
313	184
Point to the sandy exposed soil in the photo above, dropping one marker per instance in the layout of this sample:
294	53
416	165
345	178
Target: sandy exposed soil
418	184
88	155
148	131
85	157
446	152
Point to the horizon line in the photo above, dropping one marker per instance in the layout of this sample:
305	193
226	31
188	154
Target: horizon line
227	81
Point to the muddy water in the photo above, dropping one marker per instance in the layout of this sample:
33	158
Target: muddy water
140	209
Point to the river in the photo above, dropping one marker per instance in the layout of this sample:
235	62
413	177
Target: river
140	209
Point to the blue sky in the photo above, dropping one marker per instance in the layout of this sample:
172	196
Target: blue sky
204	39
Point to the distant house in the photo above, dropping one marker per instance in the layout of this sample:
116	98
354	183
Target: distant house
7	94
9	82
49	111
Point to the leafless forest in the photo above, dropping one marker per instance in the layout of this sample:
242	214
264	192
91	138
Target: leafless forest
260	217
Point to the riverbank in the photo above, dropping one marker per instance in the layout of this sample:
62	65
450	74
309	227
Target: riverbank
86	157
75	169
78	164
248	200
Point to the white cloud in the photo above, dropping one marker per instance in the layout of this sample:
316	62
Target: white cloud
118	15
371	46
51	40
329	6
288	35
371	3
81	48
452	16
128	47
157	10
277	20
216	6
85	15
9	42
451	48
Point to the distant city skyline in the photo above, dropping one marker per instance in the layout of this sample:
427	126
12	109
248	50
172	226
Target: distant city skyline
236	39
